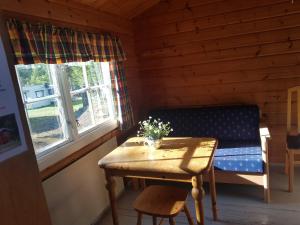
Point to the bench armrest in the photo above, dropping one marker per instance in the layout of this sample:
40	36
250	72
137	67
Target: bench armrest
264	131
264	137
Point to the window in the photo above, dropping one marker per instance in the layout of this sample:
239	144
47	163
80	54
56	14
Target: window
39	94
63	102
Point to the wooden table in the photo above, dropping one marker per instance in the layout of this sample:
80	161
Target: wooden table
179	159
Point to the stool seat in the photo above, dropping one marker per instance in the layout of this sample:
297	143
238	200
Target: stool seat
161	201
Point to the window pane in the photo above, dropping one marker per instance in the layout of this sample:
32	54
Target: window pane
82	111
94	74
35	80
45	124
75	76
100	105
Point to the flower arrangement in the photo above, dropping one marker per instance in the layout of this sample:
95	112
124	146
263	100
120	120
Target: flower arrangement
154	129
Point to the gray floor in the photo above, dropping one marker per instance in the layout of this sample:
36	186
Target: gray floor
237	204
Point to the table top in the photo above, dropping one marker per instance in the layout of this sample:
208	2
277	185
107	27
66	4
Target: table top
184	155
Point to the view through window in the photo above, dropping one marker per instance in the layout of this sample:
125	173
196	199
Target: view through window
64	101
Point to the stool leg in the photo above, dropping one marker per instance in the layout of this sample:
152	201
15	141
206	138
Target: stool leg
139	220
154	219
188	215
291	170
171	221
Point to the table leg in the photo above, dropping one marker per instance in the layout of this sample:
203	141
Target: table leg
212	185
198	193
110	186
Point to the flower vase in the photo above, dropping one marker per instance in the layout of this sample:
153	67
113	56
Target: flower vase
153	143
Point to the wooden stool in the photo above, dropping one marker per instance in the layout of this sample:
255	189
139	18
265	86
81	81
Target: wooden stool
162	201
293	140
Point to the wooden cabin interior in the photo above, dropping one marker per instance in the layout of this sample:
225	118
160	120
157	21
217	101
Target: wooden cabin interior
214	83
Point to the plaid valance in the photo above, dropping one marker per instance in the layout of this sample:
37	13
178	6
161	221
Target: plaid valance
46	43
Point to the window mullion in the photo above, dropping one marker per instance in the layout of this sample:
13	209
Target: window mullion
79	91
59	77
108	91
88	92
20	86
49	97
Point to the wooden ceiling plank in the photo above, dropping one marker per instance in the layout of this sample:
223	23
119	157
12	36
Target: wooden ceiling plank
121	8
79	6
112	7
99	3
144	6
60	12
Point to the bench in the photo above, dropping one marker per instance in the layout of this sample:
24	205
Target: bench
242	154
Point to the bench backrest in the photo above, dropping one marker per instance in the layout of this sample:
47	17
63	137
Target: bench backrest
227	123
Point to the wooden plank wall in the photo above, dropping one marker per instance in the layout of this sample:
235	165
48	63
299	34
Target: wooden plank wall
84	18
216	52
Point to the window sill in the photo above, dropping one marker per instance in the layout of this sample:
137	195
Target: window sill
59	159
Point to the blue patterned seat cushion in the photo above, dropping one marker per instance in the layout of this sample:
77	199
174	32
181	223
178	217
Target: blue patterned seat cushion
235	127
240	158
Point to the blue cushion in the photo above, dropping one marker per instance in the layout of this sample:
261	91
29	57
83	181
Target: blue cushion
226	123
241	159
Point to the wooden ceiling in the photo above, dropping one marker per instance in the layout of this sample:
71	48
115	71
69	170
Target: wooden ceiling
123	8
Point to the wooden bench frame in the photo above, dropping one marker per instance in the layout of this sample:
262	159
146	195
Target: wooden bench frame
260	179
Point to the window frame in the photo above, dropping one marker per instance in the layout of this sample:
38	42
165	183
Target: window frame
47	159
74	140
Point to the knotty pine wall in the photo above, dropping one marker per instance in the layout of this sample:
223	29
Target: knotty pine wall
84	18
216	52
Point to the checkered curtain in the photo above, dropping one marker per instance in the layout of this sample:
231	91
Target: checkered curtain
120	95
46	43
